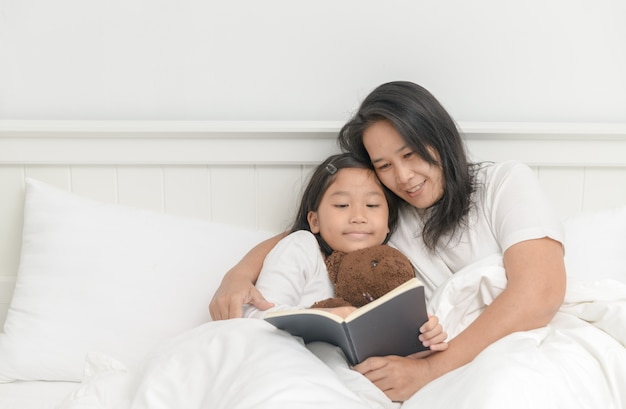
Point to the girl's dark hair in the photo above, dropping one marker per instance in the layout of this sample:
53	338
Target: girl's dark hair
323	176
423	123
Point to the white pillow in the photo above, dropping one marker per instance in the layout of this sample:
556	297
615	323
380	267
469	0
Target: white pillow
96	277
595	245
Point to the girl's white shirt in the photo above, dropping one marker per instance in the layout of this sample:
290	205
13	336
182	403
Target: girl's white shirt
294	275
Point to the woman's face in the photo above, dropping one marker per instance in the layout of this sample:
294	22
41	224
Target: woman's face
400	168
353	213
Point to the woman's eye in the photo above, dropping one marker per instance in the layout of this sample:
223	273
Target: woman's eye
408	154
384	166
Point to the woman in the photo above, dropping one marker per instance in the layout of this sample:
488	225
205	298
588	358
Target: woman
454	213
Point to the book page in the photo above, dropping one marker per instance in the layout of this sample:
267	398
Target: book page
313	311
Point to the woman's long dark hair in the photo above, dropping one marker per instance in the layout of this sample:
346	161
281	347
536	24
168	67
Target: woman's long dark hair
423	123
323	176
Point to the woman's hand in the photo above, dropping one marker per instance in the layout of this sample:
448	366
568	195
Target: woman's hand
237	287
399	378
233	292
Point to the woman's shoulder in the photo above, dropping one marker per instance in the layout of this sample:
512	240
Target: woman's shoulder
502	182
487	170
494	174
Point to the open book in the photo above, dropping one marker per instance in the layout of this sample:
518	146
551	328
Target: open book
388	325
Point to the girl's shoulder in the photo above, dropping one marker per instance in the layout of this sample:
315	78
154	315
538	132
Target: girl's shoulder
300	235
300	248
303	239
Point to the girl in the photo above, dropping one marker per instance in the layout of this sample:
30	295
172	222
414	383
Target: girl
344	208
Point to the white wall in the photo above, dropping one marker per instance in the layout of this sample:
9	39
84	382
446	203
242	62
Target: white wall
486	60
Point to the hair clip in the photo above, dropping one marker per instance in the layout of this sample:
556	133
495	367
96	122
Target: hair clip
330	168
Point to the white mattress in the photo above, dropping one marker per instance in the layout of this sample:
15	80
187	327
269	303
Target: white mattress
34	395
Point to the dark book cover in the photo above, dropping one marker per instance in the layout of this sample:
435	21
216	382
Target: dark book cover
386	326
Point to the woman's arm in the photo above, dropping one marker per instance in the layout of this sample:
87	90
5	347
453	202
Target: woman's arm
535	290
237	287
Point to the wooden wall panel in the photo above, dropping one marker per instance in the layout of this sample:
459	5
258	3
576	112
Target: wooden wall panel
278	192
234	195
564	188
11	216
57	175
141	186
95	182
187	191
605	188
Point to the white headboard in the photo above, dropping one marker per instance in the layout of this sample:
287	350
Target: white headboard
250	173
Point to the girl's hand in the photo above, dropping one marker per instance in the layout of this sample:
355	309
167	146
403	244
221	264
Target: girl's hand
432	336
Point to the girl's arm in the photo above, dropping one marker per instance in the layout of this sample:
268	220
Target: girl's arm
536	287
293	275
237	287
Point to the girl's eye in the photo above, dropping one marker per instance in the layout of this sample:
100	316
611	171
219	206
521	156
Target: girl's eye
373	205
341	205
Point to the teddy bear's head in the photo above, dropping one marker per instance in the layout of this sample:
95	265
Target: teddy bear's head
364	275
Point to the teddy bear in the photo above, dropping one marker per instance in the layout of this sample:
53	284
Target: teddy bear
362	276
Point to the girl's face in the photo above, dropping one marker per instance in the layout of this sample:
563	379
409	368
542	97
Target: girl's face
353	213
401	169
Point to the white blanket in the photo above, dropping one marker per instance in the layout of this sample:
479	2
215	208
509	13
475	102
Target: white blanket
578	361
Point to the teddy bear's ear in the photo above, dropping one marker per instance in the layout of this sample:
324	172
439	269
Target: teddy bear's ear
332	265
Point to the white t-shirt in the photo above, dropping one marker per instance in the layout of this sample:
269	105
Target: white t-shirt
508	207
293	276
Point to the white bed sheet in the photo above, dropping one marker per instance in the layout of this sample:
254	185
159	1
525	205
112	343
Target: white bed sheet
578	361
34	394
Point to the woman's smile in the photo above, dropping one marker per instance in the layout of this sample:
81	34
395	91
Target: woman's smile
415	190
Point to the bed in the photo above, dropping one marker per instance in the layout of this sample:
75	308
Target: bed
114	235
